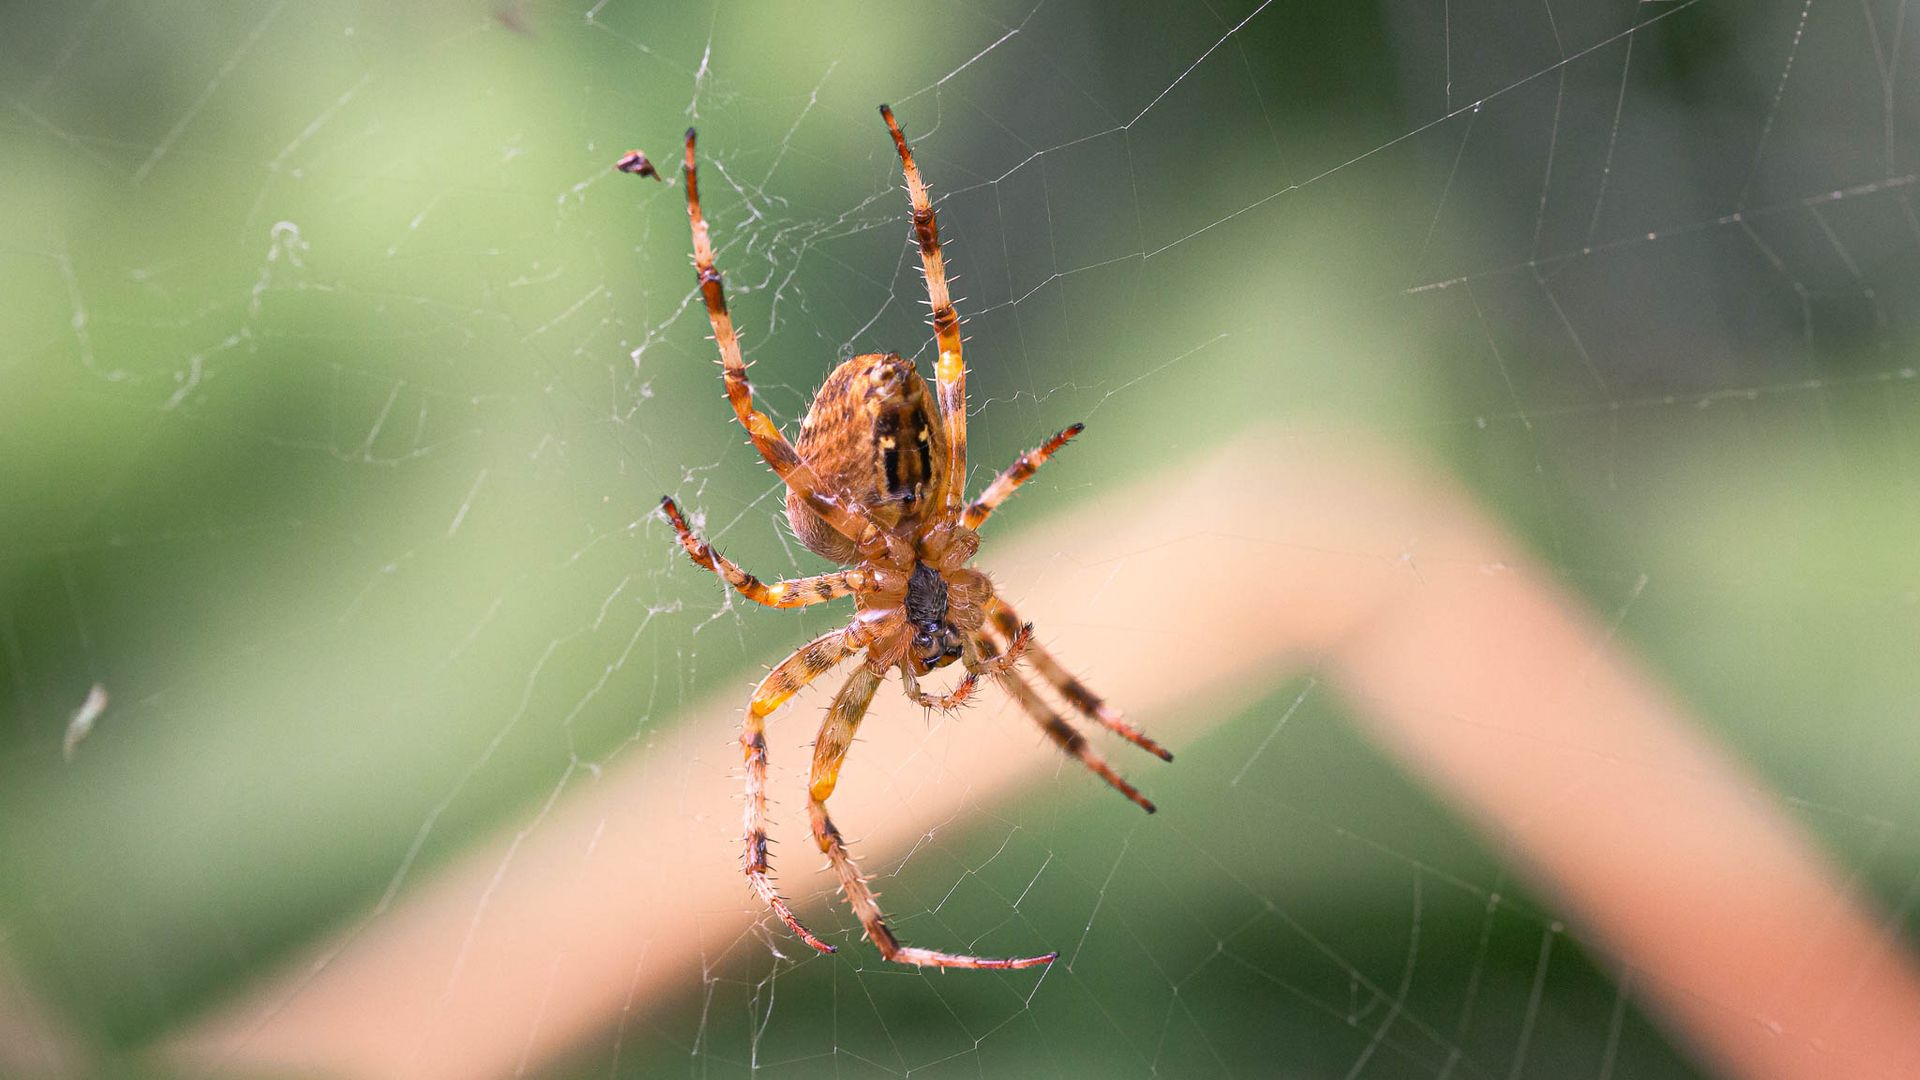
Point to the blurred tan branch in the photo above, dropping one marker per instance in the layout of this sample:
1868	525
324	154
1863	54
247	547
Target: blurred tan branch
1464	661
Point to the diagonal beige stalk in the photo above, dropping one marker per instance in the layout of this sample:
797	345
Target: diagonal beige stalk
1471	667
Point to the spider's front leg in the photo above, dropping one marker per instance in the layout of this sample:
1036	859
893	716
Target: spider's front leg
950	371
792	593
834	508
829	752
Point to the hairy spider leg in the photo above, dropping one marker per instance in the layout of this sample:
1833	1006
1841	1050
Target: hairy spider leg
829	752
976	670
807	663
1064	734
1090	704
950	372
1018	473
843	514
792	593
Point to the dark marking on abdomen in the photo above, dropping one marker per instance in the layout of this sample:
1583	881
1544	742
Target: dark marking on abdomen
901	436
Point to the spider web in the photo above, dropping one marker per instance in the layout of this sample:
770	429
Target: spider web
343	377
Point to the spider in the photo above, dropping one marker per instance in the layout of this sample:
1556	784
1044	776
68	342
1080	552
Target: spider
875	483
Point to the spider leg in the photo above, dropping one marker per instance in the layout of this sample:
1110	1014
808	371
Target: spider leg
808	662
950	373
792	593
1018	473
829	752
1090	704
1064	734
838	511
977	669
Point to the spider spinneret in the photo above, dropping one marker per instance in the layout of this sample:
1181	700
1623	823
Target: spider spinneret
876	483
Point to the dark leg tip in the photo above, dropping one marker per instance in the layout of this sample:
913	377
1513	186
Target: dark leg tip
671	511
1149	807
1075	429
886	112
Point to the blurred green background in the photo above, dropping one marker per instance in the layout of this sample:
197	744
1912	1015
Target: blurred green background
341	376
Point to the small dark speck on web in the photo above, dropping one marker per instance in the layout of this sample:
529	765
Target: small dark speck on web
636	163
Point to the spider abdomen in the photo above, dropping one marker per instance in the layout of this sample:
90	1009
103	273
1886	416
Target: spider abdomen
873	434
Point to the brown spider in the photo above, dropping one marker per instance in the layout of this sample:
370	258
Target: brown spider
876	484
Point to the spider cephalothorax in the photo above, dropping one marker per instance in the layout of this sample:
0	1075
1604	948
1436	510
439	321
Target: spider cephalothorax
875	483
936	641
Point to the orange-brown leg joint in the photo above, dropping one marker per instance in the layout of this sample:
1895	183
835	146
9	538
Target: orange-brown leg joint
804	665
837	730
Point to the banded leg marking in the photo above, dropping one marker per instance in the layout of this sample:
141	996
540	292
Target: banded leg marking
792	593
1018	473
950	371
1089	704
807	663
844	515
1068	738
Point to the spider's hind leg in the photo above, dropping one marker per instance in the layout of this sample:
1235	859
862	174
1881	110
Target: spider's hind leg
829	753
805	664
1065	735
1089	704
